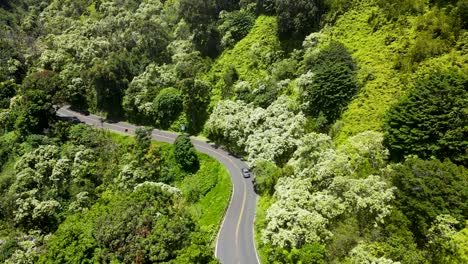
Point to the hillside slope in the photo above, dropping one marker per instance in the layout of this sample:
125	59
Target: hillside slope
390	55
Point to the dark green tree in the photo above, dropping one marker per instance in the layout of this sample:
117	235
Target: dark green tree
333	53
432	120
329	91
167	106
185	154
428	188
233	26
47	81
297	18
34	113
196	96
267	7
110	80
201	16
7	91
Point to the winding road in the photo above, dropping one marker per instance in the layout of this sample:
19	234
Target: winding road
235	242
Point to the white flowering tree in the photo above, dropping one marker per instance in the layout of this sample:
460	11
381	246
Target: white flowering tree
44	179
271	134
368	198
228	124
278	136
361	255
144	88
366	153
324	190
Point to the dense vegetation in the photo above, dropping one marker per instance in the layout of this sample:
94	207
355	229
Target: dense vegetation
353	115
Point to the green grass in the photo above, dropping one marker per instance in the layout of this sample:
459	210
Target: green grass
260	222
121	139
384	53
375	56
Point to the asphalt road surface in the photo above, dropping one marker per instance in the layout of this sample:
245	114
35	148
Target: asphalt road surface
235	243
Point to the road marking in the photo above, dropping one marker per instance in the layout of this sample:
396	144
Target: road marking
240	217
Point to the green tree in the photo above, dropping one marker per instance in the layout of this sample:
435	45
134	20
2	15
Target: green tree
35	112
440	236
7	91
329	83
156	229
185	154
267	7
432	120
333	53
110	80
297	18
329	91
167	106
201	15
266	175
196	96
39	92
142	142
234	26
428	188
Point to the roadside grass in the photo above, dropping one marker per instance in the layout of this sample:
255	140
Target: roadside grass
210	190
123	140
264	202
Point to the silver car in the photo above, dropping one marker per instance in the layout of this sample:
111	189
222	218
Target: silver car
246	173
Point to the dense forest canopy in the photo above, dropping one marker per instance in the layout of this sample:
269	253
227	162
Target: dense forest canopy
352	114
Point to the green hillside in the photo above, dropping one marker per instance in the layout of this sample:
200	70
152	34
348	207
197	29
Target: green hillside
352	115
390	55
249	60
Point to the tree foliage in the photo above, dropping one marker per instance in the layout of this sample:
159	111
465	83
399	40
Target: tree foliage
432	120
155	230
234	26
167	105
266	176
185	153
298	18
270	134
428	188
330	84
